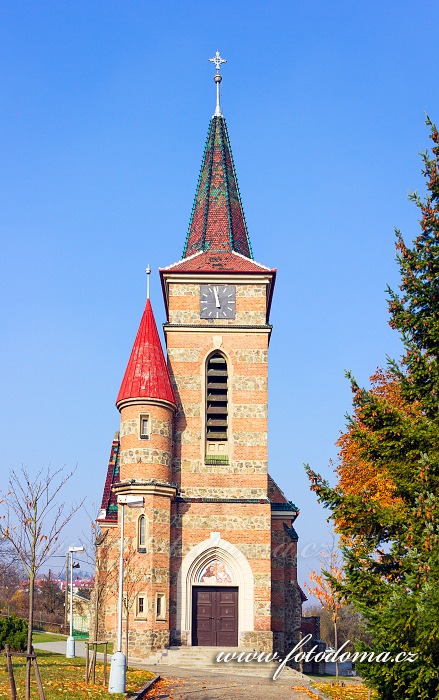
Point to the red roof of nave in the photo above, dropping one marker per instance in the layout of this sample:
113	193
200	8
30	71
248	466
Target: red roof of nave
146	375
109	502
209	261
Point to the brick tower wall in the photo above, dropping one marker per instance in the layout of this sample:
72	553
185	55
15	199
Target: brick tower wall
246	525
146	574
286	601
144	462
146	458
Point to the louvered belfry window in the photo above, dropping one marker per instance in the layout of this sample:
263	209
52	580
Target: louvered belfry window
216	405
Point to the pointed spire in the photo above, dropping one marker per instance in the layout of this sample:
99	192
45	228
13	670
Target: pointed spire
217	222
147	375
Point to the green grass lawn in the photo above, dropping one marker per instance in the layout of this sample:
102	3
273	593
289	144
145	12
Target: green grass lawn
101	647
47	637
64	679
52	637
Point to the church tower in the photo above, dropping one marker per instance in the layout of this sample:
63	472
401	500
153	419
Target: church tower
217	557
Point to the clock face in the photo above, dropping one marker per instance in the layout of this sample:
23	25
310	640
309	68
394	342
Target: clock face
217	301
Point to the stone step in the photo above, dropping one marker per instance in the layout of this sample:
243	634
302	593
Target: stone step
211	651
188	655
205	658
185	656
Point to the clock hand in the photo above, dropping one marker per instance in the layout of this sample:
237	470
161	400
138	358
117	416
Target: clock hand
217	301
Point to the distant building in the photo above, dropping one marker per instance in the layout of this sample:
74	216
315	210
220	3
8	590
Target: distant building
79	584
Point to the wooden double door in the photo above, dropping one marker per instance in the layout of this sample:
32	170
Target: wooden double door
214	616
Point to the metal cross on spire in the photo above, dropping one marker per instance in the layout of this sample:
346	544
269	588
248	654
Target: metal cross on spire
217	61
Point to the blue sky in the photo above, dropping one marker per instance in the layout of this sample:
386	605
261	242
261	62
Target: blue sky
104	111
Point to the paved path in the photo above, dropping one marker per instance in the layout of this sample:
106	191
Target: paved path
199	685
60	647
202	684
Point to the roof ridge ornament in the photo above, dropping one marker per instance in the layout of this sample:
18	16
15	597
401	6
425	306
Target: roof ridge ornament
217	61
148	272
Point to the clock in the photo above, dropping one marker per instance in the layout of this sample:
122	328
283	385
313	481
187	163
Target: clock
217	301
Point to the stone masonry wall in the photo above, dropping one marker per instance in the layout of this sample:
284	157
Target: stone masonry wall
245	525
144	641
147	573
286	602
146	458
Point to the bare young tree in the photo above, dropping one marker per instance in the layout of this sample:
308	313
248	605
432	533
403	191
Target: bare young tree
325	586
31	520
350	627
133	577
99	545
9	576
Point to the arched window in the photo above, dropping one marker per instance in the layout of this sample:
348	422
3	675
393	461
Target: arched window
141	533
216	406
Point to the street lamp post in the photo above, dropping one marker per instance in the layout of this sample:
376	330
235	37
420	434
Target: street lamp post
70	649
118	668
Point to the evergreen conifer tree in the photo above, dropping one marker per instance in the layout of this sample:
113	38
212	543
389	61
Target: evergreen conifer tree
391	546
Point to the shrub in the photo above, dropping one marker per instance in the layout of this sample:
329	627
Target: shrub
13	631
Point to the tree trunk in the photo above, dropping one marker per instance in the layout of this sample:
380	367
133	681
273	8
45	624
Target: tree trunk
10	673
94	632
66	594
29	631
126	637
336	649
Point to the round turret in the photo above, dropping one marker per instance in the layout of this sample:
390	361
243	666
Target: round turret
146	403
146	439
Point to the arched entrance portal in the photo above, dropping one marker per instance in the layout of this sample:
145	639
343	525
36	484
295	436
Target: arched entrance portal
215	594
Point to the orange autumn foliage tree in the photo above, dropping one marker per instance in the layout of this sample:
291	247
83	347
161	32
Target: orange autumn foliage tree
326	587
387	509
358	474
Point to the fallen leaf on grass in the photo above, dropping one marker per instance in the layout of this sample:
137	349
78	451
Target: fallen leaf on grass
160	689
345	692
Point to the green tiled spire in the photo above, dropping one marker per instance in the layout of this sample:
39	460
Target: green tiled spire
217	221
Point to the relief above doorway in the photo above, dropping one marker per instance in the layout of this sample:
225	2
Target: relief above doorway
215	572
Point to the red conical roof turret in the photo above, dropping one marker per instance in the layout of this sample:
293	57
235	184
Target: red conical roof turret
147	375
